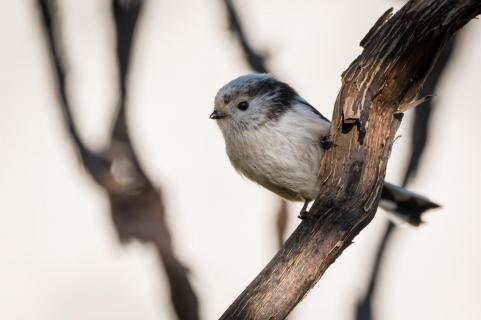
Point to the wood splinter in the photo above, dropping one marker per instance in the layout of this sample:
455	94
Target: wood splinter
415	103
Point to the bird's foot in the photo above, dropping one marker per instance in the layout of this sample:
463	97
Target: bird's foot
304	214
326	142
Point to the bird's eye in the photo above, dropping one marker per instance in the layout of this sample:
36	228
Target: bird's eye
243	105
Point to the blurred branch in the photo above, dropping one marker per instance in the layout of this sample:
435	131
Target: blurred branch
422	116
419	139
364	307
255	60
137	208
281	222
398	54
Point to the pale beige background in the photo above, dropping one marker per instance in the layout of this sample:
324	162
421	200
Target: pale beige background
60	259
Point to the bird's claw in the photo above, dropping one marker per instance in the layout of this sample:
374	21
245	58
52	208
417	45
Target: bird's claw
304	214
326	142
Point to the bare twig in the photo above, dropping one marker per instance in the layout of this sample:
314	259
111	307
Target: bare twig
422	116
364	307
399	52
255	60
281	222
137	208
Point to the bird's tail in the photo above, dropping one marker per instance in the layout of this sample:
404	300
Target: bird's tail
405	205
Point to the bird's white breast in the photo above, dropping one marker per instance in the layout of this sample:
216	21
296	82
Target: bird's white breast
282	155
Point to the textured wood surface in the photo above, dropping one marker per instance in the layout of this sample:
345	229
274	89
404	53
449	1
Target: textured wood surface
398	54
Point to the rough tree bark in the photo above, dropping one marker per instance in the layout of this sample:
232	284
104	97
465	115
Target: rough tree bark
398	54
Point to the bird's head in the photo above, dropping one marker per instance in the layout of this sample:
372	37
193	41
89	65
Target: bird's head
251	101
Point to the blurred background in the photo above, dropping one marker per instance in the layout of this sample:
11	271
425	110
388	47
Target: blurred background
60	229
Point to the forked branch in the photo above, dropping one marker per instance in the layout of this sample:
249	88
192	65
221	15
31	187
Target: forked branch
136	204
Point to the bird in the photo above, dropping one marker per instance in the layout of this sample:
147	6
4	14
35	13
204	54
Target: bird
275	138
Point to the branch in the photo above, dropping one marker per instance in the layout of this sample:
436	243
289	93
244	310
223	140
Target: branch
422	116
255	60
364	306
282	218
137	208
398	54
419	140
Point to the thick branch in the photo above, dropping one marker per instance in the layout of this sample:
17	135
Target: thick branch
399	52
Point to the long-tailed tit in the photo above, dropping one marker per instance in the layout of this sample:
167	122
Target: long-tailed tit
275	138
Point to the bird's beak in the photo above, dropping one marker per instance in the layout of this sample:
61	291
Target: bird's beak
216	115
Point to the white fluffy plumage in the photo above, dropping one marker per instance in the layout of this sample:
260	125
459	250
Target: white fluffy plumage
276	140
